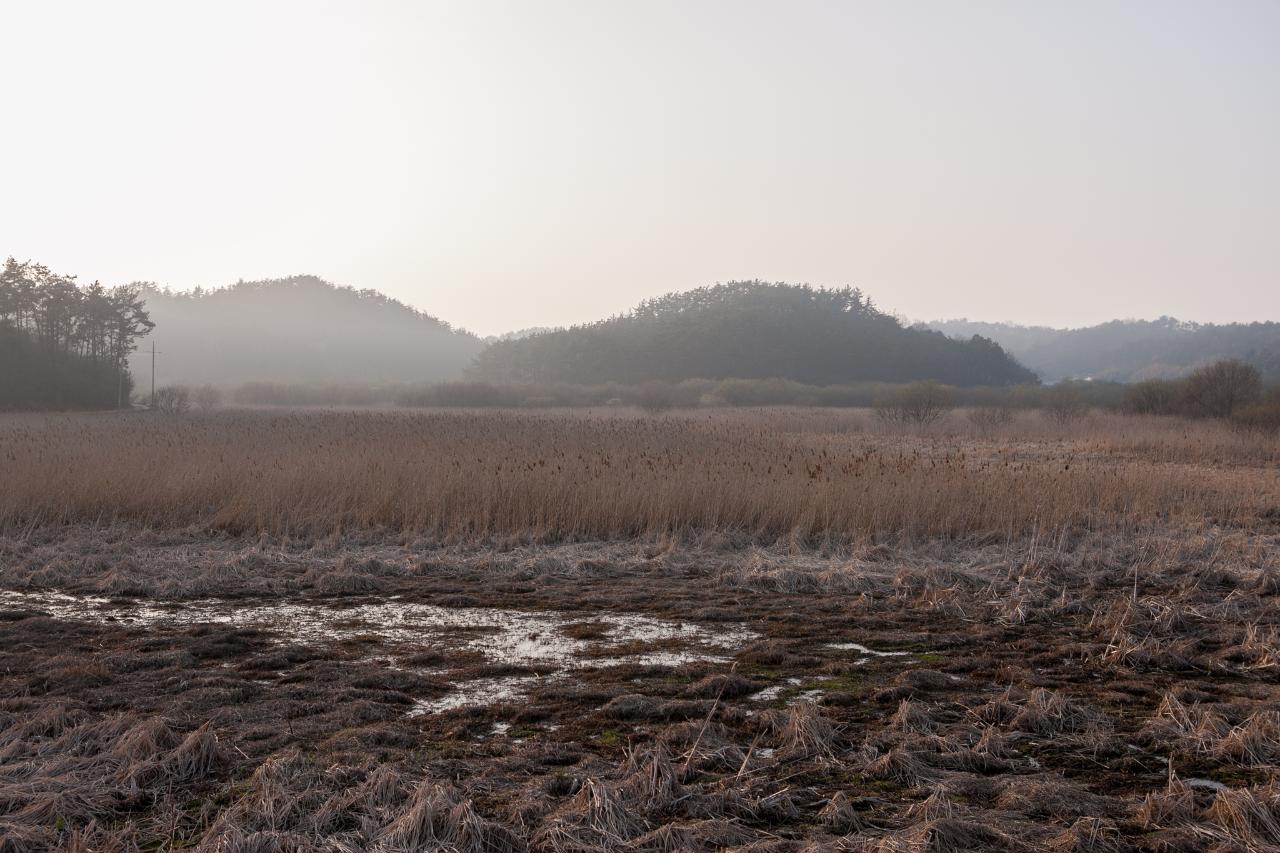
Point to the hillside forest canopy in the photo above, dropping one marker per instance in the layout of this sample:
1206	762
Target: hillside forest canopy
65	346
751	330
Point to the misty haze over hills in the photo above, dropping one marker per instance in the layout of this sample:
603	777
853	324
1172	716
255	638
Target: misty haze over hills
299	329
1127	350
305	330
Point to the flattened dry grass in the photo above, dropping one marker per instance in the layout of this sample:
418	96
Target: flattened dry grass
981	733
769	475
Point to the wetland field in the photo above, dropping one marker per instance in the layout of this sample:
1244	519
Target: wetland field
250	631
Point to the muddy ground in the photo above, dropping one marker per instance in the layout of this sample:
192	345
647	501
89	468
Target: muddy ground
1090	693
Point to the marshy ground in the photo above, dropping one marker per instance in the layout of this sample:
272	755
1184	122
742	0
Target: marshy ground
1103	687
166	691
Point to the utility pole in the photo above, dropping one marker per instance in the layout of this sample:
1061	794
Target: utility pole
119	383
153	375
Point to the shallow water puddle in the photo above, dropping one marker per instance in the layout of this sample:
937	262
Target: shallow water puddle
503	636
521	638
858	647
774	691
478	692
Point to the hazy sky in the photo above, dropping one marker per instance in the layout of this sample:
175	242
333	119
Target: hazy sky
504	165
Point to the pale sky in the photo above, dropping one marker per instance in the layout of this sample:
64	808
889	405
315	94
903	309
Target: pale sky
512	164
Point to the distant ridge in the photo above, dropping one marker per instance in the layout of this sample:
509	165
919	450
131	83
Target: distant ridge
749	330
1128	350
304	329
298	329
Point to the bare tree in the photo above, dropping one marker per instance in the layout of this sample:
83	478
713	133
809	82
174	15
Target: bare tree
989	418
1217	390
919	404
1152	397
1064	405
172	400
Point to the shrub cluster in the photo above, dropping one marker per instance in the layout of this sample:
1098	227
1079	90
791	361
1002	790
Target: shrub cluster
919	404
171	400
1229	389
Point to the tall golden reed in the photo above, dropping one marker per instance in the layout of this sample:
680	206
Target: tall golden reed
768	474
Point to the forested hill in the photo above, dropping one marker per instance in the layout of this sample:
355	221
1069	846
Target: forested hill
750	330
299	329
63	345
1128	350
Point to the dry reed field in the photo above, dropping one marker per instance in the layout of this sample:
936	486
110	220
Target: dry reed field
763	475
774	630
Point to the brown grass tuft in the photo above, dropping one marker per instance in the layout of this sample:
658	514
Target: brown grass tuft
1174	805
1250	816
1089	835
806	734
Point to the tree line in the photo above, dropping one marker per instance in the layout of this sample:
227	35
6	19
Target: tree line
65	345
750	330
